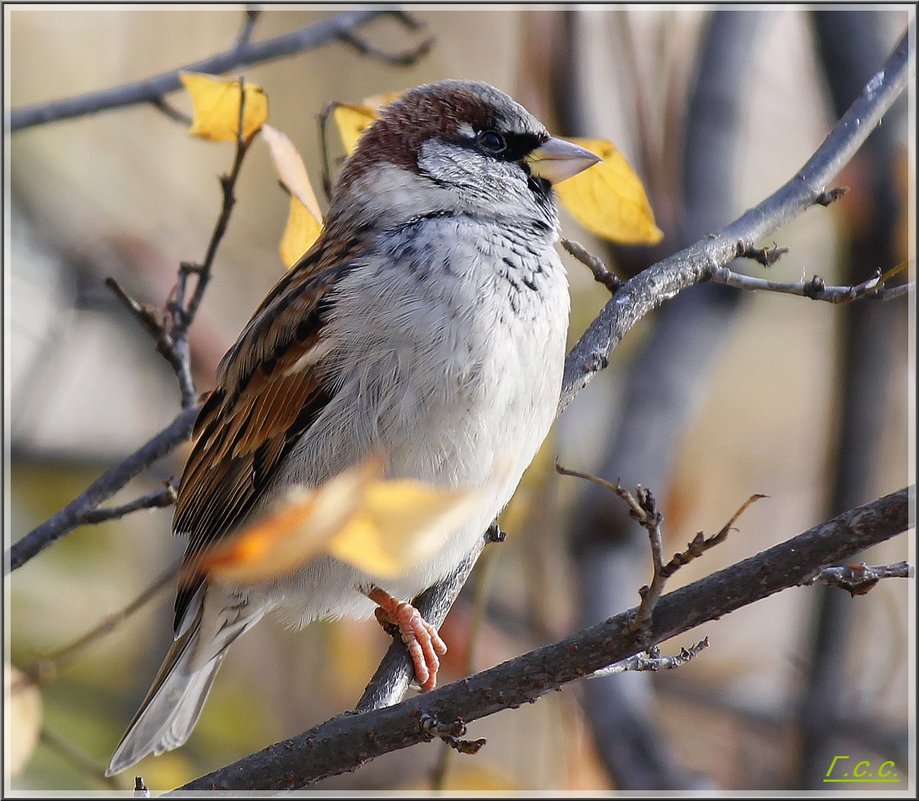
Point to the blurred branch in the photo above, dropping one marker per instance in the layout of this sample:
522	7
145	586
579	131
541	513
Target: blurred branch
74	513
78	758
694	174
350	740
849	46
338	28
49	666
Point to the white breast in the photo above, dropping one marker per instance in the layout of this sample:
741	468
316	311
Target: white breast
450	366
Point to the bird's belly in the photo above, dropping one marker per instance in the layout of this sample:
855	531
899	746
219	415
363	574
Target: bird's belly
458	405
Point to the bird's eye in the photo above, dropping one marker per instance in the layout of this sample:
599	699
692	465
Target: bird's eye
491	141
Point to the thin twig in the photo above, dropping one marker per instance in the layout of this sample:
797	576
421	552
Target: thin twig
595	264
815	289
859	579
74	513
164	106
652	660
643	509
252	14
166	346
156	499
144	91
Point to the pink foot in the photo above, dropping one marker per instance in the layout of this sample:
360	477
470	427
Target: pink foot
420	637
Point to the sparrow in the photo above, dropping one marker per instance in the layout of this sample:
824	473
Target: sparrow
427	324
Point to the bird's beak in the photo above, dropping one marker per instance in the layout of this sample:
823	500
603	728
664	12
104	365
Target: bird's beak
558	160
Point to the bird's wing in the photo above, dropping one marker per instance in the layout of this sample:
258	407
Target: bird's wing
270	389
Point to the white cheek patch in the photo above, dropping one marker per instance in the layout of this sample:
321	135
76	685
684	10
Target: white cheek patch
390	191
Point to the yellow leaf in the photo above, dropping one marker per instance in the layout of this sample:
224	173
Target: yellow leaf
23	709
216	106
609	199
301	231
351	121
382	526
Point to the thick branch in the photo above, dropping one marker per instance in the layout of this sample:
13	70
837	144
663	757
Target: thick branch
350	740
75	513
338	28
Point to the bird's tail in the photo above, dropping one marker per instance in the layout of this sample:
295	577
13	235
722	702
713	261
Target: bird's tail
175	699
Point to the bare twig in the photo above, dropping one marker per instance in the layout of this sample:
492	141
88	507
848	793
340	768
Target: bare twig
652	661
323	119
162	105
74	513
251	17
643	510
350	740
859	579
155	325
815	289
157	499
595	264
241	54
182	314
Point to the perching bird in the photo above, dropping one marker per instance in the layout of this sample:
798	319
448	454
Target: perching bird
427	324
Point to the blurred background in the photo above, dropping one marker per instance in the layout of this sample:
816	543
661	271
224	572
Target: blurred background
717	396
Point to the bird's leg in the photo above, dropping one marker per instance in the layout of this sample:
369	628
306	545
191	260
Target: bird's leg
420	637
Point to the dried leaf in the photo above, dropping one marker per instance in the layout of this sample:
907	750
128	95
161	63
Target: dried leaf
382	526
23	710
304	220
299	234
609	199
291	170
216	106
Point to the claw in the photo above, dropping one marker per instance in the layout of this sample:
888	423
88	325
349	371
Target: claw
420	637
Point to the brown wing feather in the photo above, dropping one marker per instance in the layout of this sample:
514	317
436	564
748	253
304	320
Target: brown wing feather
268	393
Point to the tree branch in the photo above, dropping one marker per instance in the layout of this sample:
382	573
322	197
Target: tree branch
243	53
74	513
695	264
350	740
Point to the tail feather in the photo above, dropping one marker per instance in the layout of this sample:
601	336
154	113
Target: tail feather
174	701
